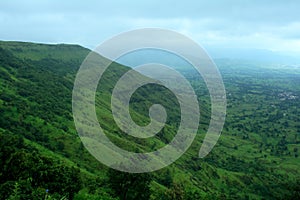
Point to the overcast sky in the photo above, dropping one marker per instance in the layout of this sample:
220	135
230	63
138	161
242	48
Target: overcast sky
273	25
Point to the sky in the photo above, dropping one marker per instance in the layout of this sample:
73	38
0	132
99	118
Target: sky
272	25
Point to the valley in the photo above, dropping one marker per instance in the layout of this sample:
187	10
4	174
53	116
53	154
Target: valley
42	157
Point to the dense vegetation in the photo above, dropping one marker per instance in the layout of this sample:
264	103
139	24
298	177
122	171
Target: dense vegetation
42	157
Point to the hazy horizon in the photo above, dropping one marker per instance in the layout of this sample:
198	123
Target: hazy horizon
269	25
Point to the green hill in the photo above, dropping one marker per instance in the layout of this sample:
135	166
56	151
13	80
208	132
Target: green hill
43	157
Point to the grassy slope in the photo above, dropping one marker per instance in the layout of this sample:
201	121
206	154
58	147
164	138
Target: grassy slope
35	102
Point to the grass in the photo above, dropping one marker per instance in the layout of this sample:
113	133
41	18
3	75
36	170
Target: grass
253	159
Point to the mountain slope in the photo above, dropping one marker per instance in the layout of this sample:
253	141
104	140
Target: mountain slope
36	102
35	105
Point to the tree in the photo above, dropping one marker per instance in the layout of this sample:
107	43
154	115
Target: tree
176	192
129	185
25	172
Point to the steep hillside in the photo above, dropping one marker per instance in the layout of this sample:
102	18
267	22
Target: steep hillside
42	155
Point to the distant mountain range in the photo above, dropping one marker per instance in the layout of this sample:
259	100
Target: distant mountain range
257	55
261	56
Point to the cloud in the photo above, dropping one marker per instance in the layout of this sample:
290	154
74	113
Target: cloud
263	24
